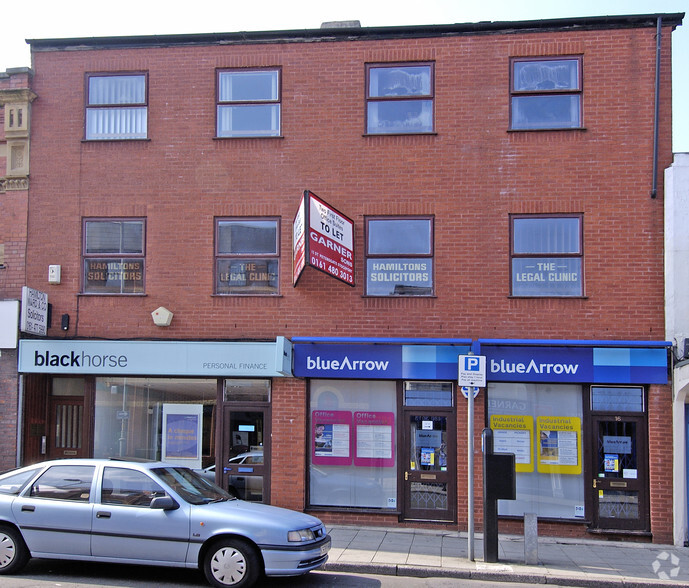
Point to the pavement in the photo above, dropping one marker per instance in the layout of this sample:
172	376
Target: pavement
561	561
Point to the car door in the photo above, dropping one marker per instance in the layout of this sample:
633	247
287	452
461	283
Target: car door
126	528
54	513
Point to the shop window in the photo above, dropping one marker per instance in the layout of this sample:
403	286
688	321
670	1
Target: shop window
399	98
547	257
546	93
156	418
248	103
353	458
247	258
116	107
113	256
542	425
399	256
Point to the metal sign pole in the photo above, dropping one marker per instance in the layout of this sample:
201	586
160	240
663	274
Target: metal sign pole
470	474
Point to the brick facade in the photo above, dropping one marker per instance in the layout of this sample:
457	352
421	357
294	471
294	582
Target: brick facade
471	174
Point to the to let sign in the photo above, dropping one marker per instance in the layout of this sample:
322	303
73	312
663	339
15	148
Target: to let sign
329	244
34	313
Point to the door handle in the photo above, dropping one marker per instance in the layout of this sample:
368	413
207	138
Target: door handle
406	476
28	508
103	515
595	482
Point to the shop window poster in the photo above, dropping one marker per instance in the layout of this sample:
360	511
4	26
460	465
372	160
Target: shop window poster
182	426
514	434
331	437
374	439
559	445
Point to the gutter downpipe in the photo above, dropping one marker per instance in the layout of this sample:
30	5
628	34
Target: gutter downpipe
659	36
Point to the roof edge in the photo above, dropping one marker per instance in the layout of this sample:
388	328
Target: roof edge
360	33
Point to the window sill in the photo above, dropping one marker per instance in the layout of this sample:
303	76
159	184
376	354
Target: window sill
549	130
135	294
578	297
122	140
246	295
401	297
429	134
243	137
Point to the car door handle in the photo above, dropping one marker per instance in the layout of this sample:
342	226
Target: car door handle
28	508
102	515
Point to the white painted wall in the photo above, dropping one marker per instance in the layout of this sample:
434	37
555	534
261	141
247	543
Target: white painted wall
677	324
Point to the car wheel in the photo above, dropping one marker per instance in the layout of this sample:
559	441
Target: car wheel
231	562
13	551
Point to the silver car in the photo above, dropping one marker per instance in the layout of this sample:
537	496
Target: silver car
150	513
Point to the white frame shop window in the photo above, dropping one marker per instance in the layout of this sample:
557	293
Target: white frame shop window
547	255
116	106
545	93
247	256
113	256
248	103
399	256
399	98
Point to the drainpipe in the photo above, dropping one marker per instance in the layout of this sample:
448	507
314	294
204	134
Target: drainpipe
654	189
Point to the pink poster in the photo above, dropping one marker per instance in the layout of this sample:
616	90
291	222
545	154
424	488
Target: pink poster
332	438
374	439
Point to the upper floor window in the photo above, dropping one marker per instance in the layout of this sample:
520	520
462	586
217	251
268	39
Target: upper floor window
113	256
247	256
116	107
547	256
249	103
399	256
546	93
399	98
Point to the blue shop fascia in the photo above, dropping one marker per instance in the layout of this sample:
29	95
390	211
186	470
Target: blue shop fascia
387	416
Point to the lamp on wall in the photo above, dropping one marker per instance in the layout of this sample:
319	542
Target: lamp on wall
162	317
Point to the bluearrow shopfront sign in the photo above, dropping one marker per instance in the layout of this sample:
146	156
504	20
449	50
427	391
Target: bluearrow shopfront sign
167	358
504	363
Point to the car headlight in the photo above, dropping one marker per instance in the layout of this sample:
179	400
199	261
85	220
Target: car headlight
301	535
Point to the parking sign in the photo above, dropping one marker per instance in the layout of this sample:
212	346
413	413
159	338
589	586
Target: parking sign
472	370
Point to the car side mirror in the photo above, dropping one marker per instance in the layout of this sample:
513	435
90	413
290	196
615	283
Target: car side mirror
164	503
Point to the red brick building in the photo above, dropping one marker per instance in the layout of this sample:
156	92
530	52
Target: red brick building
15	117
491	187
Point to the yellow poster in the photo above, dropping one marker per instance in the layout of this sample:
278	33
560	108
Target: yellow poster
558	445
513	434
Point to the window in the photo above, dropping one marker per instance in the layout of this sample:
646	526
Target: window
64	483
114	256
249	103
546	93
399	256
547	256
542	425
128	487
353	455
116	107
247	256
399	98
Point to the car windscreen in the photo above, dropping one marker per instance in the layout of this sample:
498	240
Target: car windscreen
13	482
190	486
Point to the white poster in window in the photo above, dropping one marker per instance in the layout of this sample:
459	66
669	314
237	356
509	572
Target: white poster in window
182	434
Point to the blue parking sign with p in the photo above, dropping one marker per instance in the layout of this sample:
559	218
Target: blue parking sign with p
472	370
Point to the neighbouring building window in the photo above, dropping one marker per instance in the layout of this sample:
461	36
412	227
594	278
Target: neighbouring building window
113	256
547	258
546	93
352	457
248	103
542	425
116	107
247	256
399	256
399	98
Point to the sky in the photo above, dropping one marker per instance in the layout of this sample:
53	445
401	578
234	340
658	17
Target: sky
49	19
